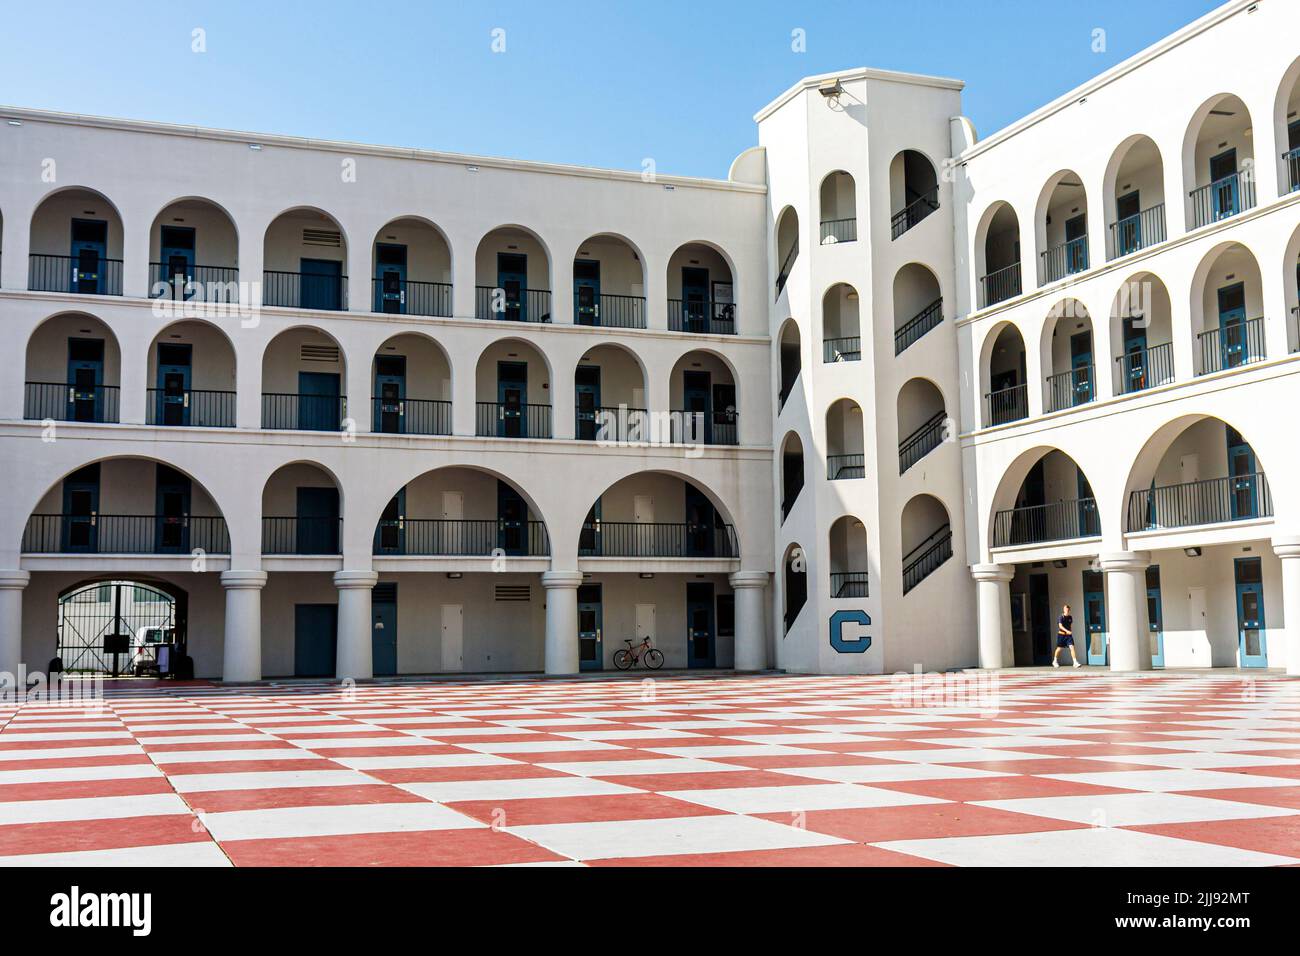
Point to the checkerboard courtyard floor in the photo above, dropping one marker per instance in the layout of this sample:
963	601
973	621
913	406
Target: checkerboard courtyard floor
745	771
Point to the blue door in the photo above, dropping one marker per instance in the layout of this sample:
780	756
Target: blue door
172	396
696	396
89	250
1250	612
390	535
1094	618
390	394
512	520
319	401
81	511
1076	244
587	386
1135	357
695	299
320	284
512	399
1128	226
1232	325
701	639
172	512
390	278
1081	367
512	279
383	640
591	645
1155	617
318	521
1225	199
701	521
85	380
586	292
1243	487
315	639
176	259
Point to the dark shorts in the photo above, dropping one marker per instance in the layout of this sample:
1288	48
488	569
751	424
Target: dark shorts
1064	640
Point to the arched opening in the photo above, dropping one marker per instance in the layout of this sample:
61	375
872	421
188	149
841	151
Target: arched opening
841	334
794	571
73	371
845	456
609	284
1227	310
791	472
1054	502
303	382
913	191
115	627
927	539
191	371
791	360
705	406
997	255
1006	393
918	305
301	511
701	290
513	391
513	276
1218	161
1141	330
411	259
657	515
1061	227
1135	197
1286	123
922	421
76	244
609	395
839	208
411	392
848	558
194	253
787	245
1067	355
304	261
1291	286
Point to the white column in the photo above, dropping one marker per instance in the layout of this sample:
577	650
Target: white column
355	649
561	620
243	631
993	593
1126	610
1288	549
751	643
12	584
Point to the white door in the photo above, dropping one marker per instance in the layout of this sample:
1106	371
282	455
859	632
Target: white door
453	505
453	643
645	622
1198	625
643	509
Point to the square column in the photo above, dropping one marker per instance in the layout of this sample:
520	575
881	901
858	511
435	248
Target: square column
1126	609
12	584
355	654
242	649
993	595
751	645
561	620
1288	549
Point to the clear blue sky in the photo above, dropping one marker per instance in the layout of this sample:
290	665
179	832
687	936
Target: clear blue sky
600	82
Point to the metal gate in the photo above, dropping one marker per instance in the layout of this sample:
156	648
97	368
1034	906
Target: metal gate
109	626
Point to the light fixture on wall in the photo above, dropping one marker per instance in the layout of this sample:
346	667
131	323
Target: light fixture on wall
454	575
831	91
1059	564
1192	552
646	576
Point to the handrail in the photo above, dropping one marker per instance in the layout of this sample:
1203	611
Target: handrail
1205	501
922	441
928	318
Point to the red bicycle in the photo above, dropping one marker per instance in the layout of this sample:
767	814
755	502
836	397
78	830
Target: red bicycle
626	657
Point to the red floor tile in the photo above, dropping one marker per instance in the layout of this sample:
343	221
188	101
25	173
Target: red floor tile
848	854
928	821
478	847
23	838
76	789
219	801
616	806
1276	835
997	788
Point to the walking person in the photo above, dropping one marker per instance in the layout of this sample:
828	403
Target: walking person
1065	637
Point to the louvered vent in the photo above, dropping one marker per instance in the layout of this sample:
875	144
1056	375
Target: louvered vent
514	592
322	237
320	353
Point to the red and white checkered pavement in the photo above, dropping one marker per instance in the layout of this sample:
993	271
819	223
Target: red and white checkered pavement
769	771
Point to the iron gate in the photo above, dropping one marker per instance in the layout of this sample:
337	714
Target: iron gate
113	616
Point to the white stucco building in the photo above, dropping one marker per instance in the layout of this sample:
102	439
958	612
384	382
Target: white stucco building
886	397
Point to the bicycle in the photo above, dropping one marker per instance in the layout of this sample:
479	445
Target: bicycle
632	654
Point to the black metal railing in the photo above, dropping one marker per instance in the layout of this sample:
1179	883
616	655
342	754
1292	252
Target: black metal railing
1145	228
928	318
913	212
611	423
193	283
411	416
1000	285
1068	389
302	535
411	297
700	315
719	427
58	402
1230	346
1208	501
849	584
846	349
195	408
305	290
501	420
839	230
922	441
844	467
609	311
519	305
125	534
1037	524
85	275
1143	368
314	413
784	274
1292	160
1221	199
1006	405
635	539
461	537
926	557
1065	260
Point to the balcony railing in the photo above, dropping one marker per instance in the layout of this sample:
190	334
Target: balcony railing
611	424
849	584
125	534
498	420
1292	160
609	311
412	416
194	283
1138	231
846	349
926	557
634	539
520	305
1038	524
700	315
409	297
313	413
195	408
784	274
1209	501
839	230
1070	389
922	441
845	467
84	275
305	290
1006	405
1000	285
1222	199
302	535
1230	346
913	212
55	401
719	427
928	318
445	537
1145	368
1065	260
